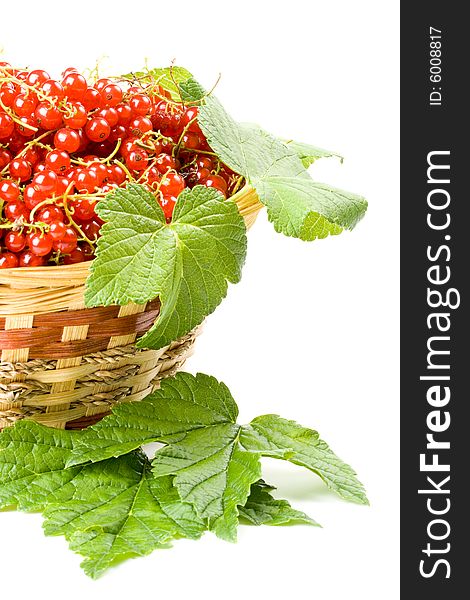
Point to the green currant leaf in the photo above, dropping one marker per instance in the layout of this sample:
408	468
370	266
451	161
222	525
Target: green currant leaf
213	473
183	403
117	510
108	511
297	206
308	154
262	509
270	435
186	263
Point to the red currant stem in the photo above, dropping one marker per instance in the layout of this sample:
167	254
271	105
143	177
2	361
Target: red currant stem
69	214
30	88
125	169
177	147
237	185
15	118
205	152
144	173
113	153
32	227
29	145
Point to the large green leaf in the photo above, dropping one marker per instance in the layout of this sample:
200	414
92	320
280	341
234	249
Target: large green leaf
183	403
118	510
212	473
186	263
270	435
297	206
109	511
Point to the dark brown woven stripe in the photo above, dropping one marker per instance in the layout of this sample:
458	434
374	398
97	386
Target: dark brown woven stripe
38	337
86	316
83	422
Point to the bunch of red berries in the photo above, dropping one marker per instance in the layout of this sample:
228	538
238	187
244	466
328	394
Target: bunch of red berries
64	144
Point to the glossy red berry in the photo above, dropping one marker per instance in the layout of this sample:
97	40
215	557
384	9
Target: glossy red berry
58	161
67	139
28	259
97	129
68	243
76	115
75	86
137	160
47	116
111	94
9	190
20	169
15	241
172	184
140	104
8	260
39	243
49	214
57	230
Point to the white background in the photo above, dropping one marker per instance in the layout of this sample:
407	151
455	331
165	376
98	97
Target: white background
311	332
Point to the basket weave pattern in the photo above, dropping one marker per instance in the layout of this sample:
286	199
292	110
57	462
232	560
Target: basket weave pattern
65	365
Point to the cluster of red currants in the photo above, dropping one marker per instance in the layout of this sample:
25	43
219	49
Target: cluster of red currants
64	144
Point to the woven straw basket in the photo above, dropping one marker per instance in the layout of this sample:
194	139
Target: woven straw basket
65	365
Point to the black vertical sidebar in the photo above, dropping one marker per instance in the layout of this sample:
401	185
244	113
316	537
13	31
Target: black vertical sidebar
435	270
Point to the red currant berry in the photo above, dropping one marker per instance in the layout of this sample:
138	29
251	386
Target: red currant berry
110	115
97	129
32	196
28	259
45	182
83	209
140	125
86	181
15	241
48	116
168	206
68	243
50	213
26	127
25	104
75	86
111	94
67	139
40	243
140	104
20	169
217	182
116	174
172	184
58	161
53	88
76	115
165	162
37	77
92	230
191	140
124	113
16	210
9	190
76	256
137	160
8	260
57	230
5	157
91	99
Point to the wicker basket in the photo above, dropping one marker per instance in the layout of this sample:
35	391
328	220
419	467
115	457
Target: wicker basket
65	365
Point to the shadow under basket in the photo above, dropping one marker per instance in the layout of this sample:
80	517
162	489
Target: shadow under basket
65	365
